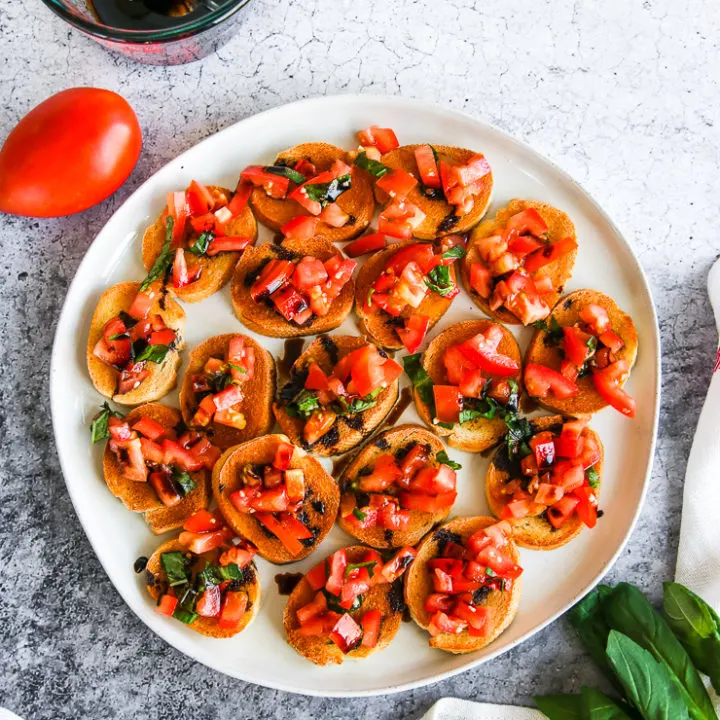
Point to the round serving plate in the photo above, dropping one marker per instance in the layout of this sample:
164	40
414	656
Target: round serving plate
260	654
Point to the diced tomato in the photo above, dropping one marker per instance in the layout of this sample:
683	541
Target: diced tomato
291	305
541	380
575	345
300	196
397	183
481	279
435	480
275	185
607	383
411	288
427	503
472	384
305	167
589	453
272	477
302	227
318	606
384	474
318	424
442	623
427	166
233	243
271	500
435	602
527	221
175	454
230	418
240	555
519	508
295	485
370	371
227	398
548	494
549	253
395	567
352	587
167	605
287	537
199	198
476	168
572	478
234	605
200	543
309	272
612	341
596	318
141	305
178	209
333	215
568	444
346	633
149	428
587	507
420	253
365	245
162	337
242	499
521	245
413	334
456	364
399	218
164	488
543	446
528	307
500	563
483	355
273	276
448	403
316	378
370	623
283	455
203	521
384	139
208	604
558	513
317	577
391	517
569	370
337	563
240	197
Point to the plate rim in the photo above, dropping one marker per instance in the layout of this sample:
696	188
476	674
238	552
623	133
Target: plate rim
423	107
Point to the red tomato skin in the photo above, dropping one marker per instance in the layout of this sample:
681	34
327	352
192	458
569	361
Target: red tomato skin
69	153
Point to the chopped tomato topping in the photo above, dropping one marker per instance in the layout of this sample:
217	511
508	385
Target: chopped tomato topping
559	513
302	227
549	253
427	166
366	244
397	183
413	334
203	521
399	219
384	139
200	543
540	381
167	605
273	276
234	605
483	354
607	383
334	215
448	404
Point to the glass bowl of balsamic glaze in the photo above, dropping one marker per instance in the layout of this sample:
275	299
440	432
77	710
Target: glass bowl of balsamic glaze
157	32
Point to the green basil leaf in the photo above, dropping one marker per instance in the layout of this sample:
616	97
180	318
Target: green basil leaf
183	480
518	434
293	175
439	281
304	405
175	567
118	336
370	565
163	260
420	380
443	459
359	514
99	429
456	251
598	706
230	572
333	602
153	353
185	616
560	707
374	167
200	246
593	477
553	330
239	368
329	192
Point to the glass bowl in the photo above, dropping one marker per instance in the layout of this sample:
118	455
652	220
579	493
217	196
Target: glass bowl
181	43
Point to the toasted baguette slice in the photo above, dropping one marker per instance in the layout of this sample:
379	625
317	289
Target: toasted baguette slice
566	312
262	317
378	324
392	441
386	598
358	201
140	497
322	497
440	215
156	583
162	376
480	433
418	585
258	390
214	271
348	431
559	226
535	532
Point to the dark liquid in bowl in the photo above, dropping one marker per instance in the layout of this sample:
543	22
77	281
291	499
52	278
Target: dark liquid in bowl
152	14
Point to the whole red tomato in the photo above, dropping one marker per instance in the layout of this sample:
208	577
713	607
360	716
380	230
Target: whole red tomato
69	153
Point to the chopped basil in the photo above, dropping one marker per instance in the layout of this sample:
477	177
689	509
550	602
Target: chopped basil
420	380
516	440
442	457
375	168
333	602
293	175
439	281
183	480
239	368
200	246
470	413
369	295
185	616
359	514
489	571
593	477
456	251
163	260
230	572
304	404
592	343
99	429
153	353
553	329
175	567
358	405
369	564
118	336
329	192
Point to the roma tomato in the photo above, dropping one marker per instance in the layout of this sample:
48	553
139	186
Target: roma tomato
70	152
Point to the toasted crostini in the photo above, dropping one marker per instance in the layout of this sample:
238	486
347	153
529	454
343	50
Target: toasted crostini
201	234
401	292
154	465
464	586
350	605
228	389
204	579
313	180
397	488
134	343
276	496
518	263
430	191
340	389
302	287
545	479
581	358
467	382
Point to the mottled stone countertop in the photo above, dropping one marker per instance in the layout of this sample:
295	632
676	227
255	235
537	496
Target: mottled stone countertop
623	94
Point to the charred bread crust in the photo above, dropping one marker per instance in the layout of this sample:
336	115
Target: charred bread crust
386	598
163	376
259	391
418	585
559	226
541	352
347	432
322	497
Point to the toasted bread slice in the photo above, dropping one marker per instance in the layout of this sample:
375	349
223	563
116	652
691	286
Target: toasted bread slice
259	391
566	312
440	218
322	497
559	226
536	532
393	441
418	585
348	431
262	317
163	376
156	583
480	433
358	201
140	497
378	324
386	598
214	271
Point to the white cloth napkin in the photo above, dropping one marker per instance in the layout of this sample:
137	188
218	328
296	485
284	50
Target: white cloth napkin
698	563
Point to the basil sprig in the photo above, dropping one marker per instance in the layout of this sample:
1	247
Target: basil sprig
152	353
293	175
369	564
443	459
201	244
553	330
99	429
329	192
176	568
456	251
593	477
421	381
163	260
183	481
374	167
439	280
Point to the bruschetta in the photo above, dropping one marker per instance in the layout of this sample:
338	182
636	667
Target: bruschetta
397	488
340	389
348	606
518	263
545	480
154	465
464	586
197	241
580	358
228	389
276	496
314	185
205	579
467	382
301	287
134	343
402	291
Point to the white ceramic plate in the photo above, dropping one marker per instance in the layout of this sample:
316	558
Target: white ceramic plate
260	654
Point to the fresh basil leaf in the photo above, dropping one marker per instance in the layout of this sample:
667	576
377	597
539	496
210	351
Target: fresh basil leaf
553	330
593	477
175	567
293	175
163	260
118	336
358	405
439	281
230	572
239	368
184	482
200	246
208	576
592	343
489	572
420	380
456	251
359	514
374	167
648	684
560	707
598	706
99	430
518	434
304	405
329	192
472	409
369	564
333	602
153	353
185	616
443	459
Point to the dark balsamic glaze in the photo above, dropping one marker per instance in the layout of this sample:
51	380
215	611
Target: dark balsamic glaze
287	582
